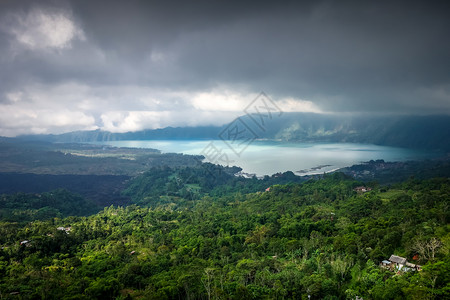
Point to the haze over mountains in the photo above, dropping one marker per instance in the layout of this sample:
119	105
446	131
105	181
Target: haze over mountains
419	132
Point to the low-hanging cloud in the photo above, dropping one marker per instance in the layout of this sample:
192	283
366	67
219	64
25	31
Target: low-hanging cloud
125	66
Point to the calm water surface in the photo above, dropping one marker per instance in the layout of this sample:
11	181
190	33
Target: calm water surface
269	157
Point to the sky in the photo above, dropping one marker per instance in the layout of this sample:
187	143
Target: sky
120	66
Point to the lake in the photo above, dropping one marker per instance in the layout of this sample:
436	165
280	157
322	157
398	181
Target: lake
269	157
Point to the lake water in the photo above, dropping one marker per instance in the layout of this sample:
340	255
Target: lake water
269	157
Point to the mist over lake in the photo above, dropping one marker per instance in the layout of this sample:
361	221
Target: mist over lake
269	157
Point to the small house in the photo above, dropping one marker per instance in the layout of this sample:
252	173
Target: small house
362	189
412	267
385	264
65	229
398	262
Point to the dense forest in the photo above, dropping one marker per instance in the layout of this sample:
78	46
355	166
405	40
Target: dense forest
27	207
319	239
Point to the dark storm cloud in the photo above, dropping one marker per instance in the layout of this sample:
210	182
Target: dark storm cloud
367	55
96	57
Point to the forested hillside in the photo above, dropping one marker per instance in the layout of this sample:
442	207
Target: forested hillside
319	238
26	207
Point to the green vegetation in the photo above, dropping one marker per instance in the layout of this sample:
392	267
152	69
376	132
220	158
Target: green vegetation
391	172
225	238
83	159
23	207
179	185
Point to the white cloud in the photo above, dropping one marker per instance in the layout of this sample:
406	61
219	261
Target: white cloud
14	97
42	109
124	121
23	120
73	106
220	101
297	105
45	29
237	102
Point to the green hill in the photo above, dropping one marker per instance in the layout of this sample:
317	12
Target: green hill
319	238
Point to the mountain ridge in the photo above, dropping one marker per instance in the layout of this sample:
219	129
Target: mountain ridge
410	131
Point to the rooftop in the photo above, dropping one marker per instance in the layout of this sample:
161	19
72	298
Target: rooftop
397	259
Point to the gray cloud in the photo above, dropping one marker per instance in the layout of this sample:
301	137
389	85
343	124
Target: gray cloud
153	60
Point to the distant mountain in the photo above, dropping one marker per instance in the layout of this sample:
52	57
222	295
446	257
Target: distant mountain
420	132
181	133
